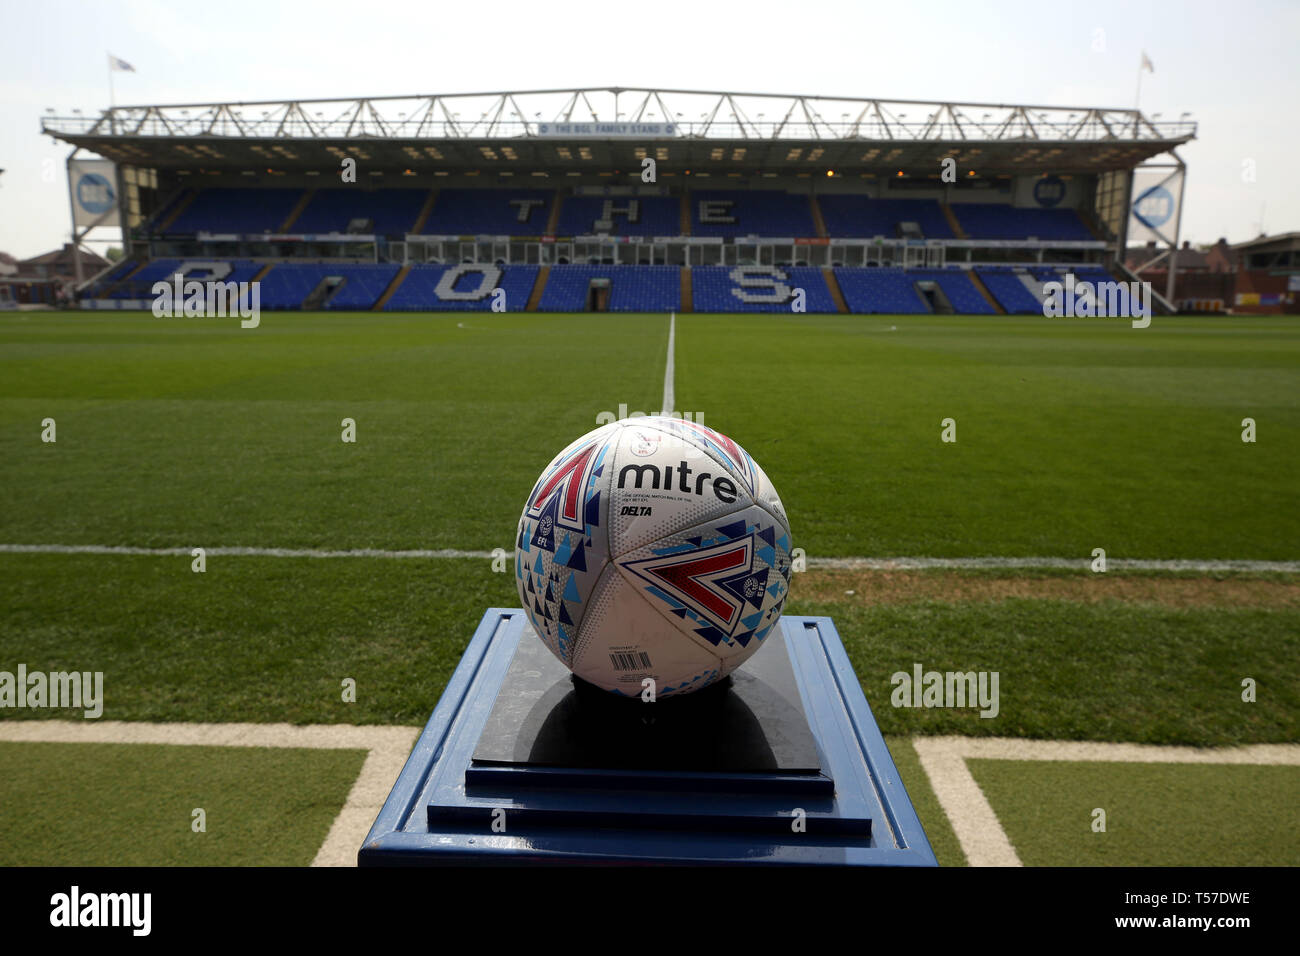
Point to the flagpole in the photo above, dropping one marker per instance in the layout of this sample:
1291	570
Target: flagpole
1137	99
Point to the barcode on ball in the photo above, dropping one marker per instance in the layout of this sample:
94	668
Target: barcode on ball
637	660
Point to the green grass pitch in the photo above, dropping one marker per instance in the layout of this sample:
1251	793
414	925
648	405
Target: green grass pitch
1071	435
133	804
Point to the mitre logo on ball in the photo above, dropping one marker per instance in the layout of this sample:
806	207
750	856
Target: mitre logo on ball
653	548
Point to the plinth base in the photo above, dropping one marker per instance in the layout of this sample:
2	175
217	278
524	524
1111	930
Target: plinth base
522	762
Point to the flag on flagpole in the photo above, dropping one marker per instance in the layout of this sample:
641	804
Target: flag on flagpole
1146	63
120	65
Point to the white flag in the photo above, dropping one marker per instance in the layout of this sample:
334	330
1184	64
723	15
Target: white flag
1146	63
120	65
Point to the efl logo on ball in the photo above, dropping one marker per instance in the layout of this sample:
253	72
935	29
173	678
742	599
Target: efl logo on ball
653	547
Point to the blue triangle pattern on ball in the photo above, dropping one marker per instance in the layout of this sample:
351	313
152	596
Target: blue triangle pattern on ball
734	530
563	551
711	634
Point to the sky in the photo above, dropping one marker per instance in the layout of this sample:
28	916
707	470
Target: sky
1232	65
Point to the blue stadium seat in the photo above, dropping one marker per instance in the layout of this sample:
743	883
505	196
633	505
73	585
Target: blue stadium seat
853	216
140	285
97	289
632	288
714	288
1009	291
490	212
630	215
393	211
999	221
236	211
418	291
880	291
752	213
957	286
289	283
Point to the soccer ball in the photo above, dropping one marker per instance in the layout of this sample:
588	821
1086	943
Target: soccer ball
653	548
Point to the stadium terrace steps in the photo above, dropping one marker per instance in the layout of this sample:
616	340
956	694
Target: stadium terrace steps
553	222
818	222
1009	291
307	196
111	290
880	291
236	210
956	287
533	212
392	287
1093	225
423	216
631	288
953	224
288	285
984	291
1034	284
543	274
182	203
833	285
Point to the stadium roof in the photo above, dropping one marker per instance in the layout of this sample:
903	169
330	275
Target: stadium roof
615	128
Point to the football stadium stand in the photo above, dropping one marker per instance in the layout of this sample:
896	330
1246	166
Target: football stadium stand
565	215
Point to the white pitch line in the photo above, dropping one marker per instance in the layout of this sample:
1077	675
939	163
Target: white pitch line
669	399
845	564
387	749
241	552
1081	564
973	820
977	827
